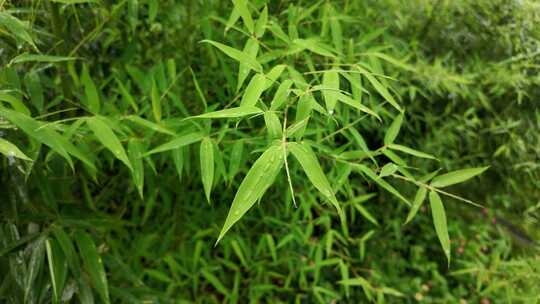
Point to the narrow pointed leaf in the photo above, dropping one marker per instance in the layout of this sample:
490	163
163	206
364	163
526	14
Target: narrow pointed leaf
281	95
91	92
312	168
439	221
207	165
237	55
410	151
108	139
178	142
381	182
93	264
253	91
393	131
456	177
232	112
330	82
10	150
258	179
417	203
156	102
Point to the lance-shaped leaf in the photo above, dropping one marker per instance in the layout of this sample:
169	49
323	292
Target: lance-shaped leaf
237	55
149	125
135	152
330	82
178	142
281	95
273	125
251	49
207	165
156	102
355	104
393	131
25	57
456	177
312	168
91	92
380	88
439	221
107	137
314	46
410	151
10	150
236	158
259	178
418	200
242	8
367	171
254	90
57	268
93	264
232	112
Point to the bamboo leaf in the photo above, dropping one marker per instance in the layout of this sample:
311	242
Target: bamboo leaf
331	83
178	142
108	139
93	264
312	168
355	104
156	102
207	165
241	7
90	90
439	221
237	55
410	151
273	125
456	177
417	203
393	131
57	268
258	179
253	91
232	112
367	171
135	152
25	57
10	150
281	95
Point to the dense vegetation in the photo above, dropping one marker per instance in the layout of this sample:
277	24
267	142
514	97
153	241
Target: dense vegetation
269	151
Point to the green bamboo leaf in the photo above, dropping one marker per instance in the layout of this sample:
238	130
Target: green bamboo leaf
418	200
335	29
18	28
314	46
15	102
236	158
35	90
439	221
127	96
93	264
410	151
260	26
214	281
90	90
34	267
381	89
355	104
10	150
108	139
57	268
207	165
149	125
253	91
69	250
258	179
273	75
303	113
45	135
456	177
25	57
367	171
74	1
156	102
232	112
241	7
135	152
312	168
178	142
388	170
393	131
273	125
330	82
237	55
281	95
251	48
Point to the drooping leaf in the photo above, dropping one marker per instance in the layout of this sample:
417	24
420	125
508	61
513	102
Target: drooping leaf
281	95
232	112
57	267
355	104
90	90
417	203
253	91
381	182
237	55
456	177
388	169
108	139
439	221
393	131
330	82
93	264
178	142
25	57
236	158
312	168
207	165
135	152
156	102
273	125
410	151
258	179
242	8
10	150
149	125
